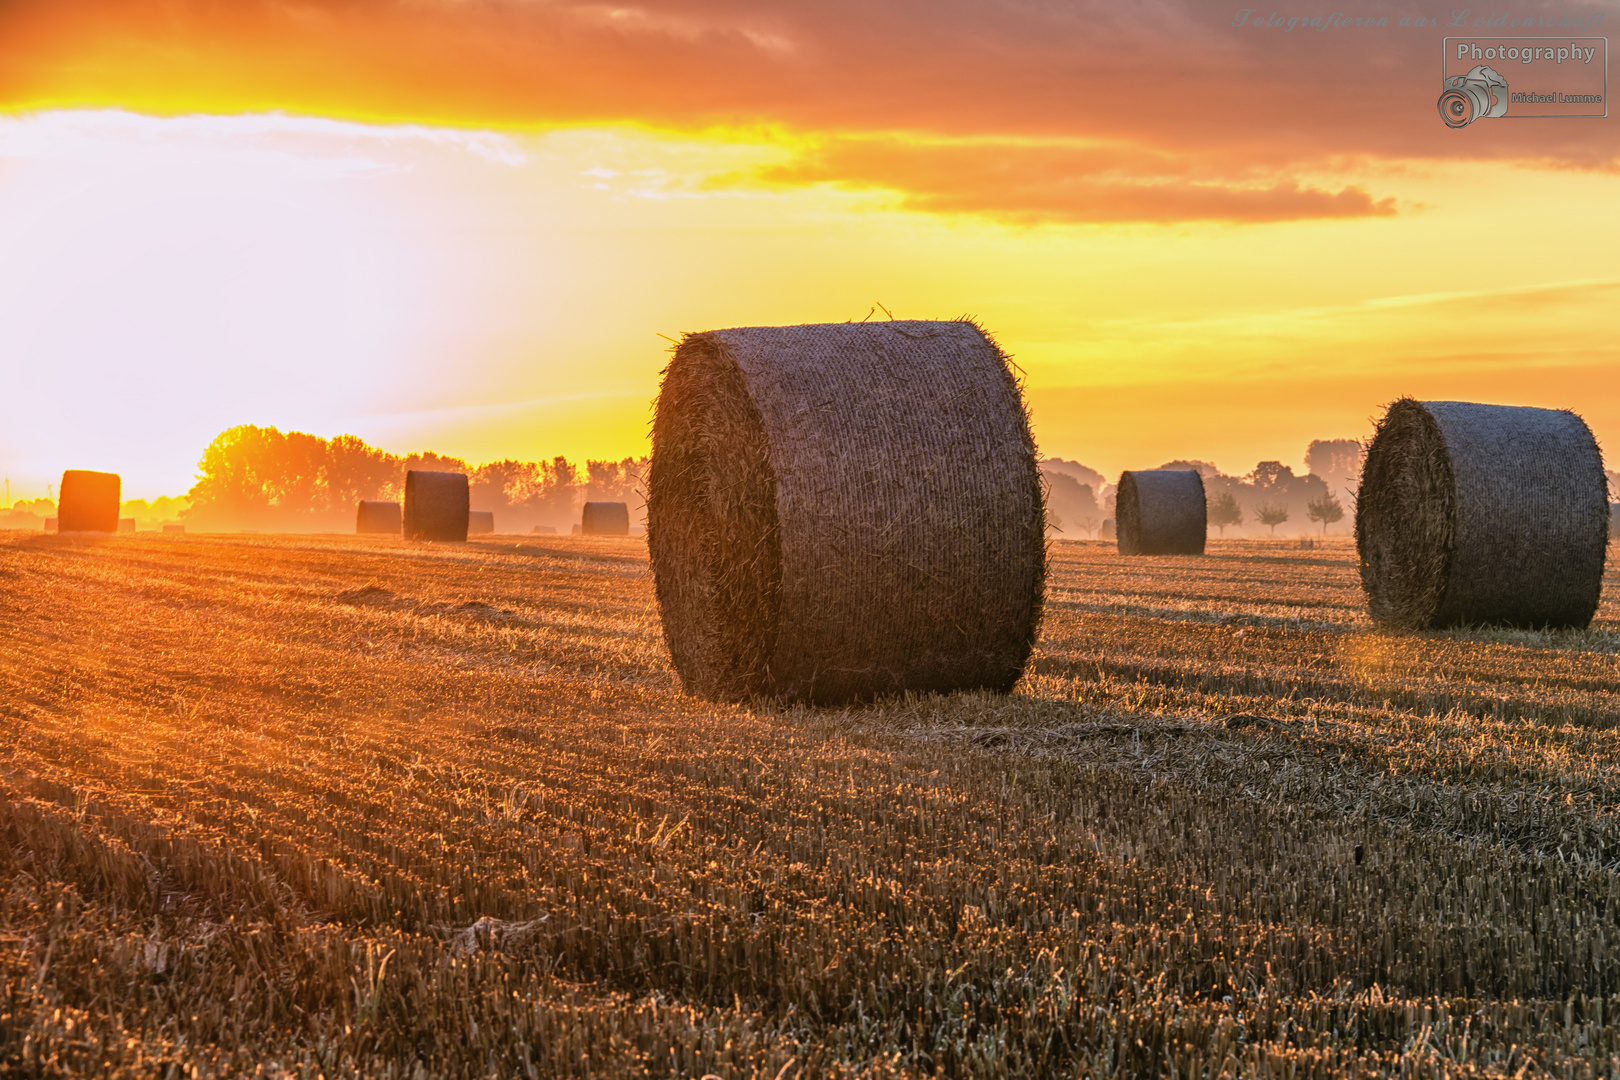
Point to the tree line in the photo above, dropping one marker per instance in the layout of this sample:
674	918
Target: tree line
263	478
1080	499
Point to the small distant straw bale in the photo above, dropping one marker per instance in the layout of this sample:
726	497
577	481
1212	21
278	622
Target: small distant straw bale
374	516
480	522
174	530
88	502
436	505
126	525
605	519
1474	514
1161	512
845	511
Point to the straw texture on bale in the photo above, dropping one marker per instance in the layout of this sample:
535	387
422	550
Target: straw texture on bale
375	516
435	505
88	501
605	519
1161	512
480	521
1481	515
844	511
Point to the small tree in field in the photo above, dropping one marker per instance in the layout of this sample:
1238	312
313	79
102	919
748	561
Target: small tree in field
1273	516
1225	511
1326	508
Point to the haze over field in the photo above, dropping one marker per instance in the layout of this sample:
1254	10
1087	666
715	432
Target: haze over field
465	226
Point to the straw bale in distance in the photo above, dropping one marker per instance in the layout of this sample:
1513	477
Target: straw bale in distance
88	502
843	511
1161	512
126	525
605	519
174	530
435	505
1475	514
375	516
480	521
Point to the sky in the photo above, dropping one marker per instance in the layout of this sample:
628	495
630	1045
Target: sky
474	226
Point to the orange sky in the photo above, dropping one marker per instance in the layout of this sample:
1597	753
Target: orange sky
463	224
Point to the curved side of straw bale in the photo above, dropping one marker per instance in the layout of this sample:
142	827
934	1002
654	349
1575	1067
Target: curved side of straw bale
1161	512
843	511
435	505
88	501
1474	514
480	522
605	519
374	516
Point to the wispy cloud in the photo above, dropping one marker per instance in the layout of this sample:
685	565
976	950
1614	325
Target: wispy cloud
1027	182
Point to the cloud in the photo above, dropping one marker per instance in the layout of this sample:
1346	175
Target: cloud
1218	121
1028	183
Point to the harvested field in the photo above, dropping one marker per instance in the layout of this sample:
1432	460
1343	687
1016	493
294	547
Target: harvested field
349	806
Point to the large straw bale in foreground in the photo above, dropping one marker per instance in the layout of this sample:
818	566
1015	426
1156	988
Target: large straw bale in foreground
1481	514
377	516
605	519
436	505
88	501
843	511
1161	512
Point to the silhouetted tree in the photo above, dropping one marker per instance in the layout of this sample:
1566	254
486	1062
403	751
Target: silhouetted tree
1224	510
1337	462
1069	501
1325	508
355	470
1273	515
1269	476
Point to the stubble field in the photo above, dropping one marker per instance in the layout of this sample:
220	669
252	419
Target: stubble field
330	806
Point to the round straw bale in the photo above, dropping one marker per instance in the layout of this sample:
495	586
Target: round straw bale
1161	512
88	502
435	505
605	519
480	521
1481	514
844	511
377	517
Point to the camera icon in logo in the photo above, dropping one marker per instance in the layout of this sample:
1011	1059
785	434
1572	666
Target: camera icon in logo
1466	98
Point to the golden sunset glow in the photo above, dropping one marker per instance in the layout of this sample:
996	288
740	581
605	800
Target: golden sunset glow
465	226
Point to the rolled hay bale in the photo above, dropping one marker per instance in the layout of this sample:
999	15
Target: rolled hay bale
1107	531
374	516
480	521
174	530
50	525
605	519
1161	512
544	530
126	525
1474	514
843	511
435	505
88	502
